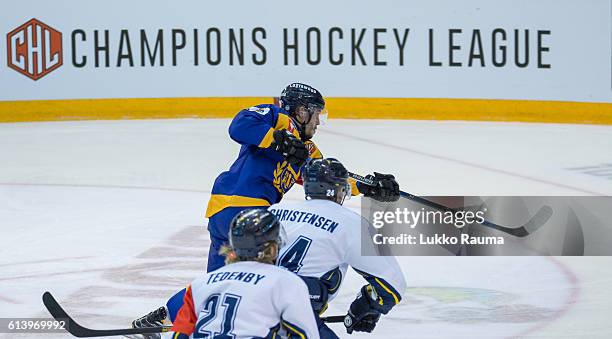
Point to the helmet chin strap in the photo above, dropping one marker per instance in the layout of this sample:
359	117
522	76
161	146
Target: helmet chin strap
346	193
302	126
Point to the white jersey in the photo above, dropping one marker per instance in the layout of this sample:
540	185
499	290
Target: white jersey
245	300
324	237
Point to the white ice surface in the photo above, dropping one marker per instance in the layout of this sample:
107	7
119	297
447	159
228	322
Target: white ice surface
108	216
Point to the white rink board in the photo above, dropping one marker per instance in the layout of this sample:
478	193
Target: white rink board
569	49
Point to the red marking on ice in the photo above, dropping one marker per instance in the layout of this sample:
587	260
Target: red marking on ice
9	300
44	261
54	274
571	300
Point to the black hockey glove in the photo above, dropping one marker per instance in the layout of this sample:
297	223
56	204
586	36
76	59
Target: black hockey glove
385	188
362	316
293	149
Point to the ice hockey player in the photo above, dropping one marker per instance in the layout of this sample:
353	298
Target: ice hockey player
250	297
324	238
276	142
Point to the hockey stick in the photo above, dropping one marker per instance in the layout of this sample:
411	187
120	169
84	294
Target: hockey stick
83	332
334	319
79	331
539	219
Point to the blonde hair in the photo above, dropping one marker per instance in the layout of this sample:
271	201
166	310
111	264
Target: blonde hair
267	255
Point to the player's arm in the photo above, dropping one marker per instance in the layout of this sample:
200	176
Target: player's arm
255	126
265	127
297	316
186	319
386	284
377	297
382	273
385	294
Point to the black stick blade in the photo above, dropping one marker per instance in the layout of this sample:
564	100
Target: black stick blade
538	219
83	332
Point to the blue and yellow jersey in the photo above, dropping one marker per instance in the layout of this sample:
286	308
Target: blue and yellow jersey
260	176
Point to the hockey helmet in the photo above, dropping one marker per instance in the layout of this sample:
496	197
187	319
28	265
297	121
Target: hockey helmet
326	179
251	230
298	94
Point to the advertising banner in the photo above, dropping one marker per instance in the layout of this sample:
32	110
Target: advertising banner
475	49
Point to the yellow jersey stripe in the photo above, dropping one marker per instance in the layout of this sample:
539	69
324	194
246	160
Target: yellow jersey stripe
282	122
267	139
294	330
354	189
218	202
395	298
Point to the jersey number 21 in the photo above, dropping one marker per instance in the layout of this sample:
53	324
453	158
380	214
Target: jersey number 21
211	306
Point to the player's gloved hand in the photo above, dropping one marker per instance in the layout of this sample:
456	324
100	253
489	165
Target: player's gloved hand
362	316
292	148
385	188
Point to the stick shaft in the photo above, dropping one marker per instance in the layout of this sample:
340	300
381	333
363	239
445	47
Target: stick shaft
535	222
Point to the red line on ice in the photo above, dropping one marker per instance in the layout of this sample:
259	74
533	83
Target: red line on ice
571	300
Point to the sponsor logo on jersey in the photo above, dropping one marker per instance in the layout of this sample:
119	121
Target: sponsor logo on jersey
284	177
34	49
291	128
310	147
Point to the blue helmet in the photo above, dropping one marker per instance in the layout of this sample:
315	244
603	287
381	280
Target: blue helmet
326	179
252	230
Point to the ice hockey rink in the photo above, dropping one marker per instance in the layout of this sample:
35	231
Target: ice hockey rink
108	216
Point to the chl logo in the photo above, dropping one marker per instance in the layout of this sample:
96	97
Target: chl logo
34	49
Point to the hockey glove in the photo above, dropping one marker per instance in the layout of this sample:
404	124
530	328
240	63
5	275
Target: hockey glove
293	149
362	315
385	188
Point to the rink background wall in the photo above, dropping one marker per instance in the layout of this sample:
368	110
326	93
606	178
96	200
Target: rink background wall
545	61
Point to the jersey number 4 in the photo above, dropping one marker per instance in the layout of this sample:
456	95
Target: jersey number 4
292	259
203	328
